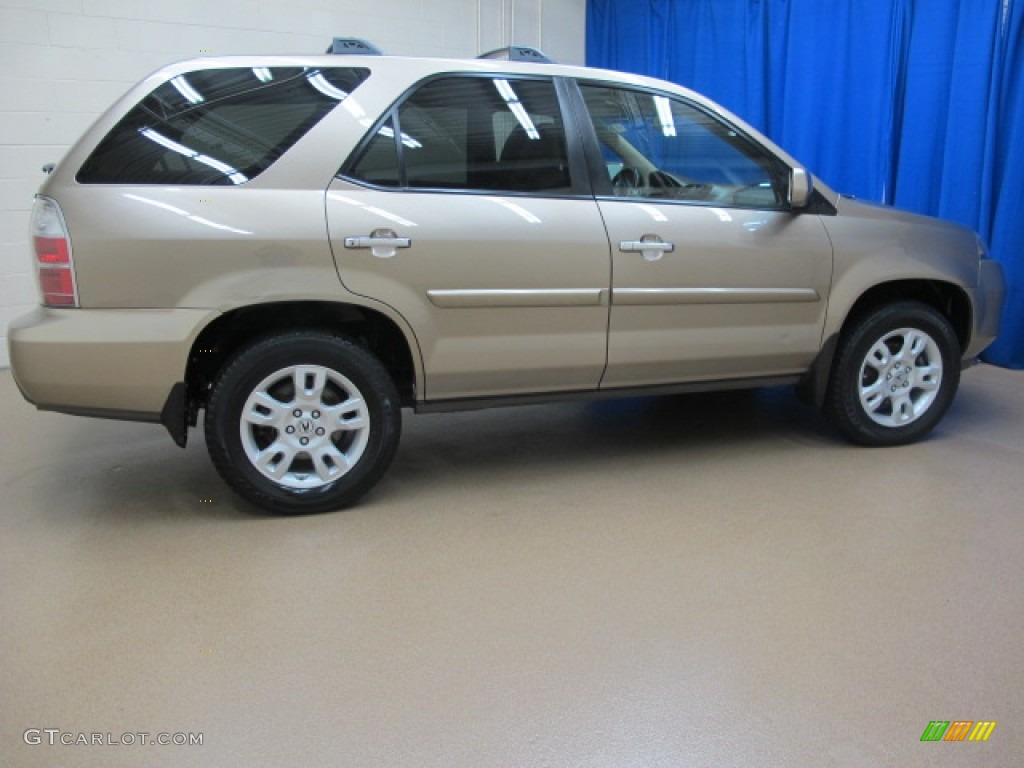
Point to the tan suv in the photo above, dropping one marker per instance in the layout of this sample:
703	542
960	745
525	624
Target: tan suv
302	246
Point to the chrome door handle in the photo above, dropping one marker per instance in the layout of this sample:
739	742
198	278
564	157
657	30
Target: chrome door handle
651	247
383	243
371	242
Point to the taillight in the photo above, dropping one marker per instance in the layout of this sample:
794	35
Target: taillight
52	247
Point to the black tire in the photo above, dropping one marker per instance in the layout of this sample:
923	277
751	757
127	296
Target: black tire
353	433
882	393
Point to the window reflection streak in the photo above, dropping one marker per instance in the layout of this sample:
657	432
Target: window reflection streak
516	107
232	173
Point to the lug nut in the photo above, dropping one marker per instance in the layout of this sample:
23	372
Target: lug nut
304	441
316	414
320	432
290	430
297	413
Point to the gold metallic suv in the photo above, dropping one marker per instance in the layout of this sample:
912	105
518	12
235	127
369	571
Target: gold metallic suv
302	246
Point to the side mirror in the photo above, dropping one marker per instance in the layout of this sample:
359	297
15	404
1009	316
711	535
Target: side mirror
801	185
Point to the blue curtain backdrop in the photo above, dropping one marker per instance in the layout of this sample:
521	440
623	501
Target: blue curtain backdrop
915	103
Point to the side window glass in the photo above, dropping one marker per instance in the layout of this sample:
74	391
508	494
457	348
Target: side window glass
217	126
440	146
378	164
484	134
660	147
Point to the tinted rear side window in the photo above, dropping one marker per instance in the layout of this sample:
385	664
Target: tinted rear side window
488	134
217	126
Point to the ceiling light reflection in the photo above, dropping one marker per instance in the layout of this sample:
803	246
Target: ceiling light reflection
653	212
516	106
354	108
185	214
517	209
409	141
233	174
318	81
371	209
664	107
184	87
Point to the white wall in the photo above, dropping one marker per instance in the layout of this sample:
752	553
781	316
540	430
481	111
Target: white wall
62	62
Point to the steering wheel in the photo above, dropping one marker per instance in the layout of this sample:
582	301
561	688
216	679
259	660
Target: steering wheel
678	189
627	182
662	180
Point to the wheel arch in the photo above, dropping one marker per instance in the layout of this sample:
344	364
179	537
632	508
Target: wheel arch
949	299
231	331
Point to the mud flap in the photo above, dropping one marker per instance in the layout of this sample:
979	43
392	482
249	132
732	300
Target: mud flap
175	413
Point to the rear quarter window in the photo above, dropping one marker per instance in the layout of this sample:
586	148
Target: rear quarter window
217	126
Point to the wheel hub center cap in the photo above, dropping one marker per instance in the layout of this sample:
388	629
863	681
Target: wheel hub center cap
899	377
303	430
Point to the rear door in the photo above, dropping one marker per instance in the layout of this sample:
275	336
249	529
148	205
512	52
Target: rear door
714	278
467	211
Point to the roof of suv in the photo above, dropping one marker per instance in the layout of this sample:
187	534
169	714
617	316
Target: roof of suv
401	72
419	64
413	68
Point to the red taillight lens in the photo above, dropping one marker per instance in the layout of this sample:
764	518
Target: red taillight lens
53	255
57	286
52	250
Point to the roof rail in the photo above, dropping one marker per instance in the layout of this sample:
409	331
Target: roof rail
517	53
353	45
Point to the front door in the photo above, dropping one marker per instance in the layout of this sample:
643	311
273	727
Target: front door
714	278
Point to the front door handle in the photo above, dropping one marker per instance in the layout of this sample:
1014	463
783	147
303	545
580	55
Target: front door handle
383	243
651	247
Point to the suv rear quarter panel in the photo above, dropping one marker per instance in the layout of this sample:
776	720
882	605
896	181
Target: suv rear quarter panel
147	246
212	247
177	257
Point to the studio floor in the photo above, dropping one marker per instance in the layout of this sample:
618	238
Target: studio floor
711	580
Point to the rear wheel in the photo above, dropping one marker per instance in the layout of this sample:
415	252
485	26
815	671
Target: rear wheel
895	375
303	422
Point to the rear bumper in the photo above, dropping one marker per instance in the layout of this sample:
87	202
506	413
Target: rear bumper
116	363
988	307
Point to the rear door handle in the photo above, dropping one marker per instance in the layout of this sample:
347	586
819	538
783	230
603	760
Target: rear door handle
383	243
651	247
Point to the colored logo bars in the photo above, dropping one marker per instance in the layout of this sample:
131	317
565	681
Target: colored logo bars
958	730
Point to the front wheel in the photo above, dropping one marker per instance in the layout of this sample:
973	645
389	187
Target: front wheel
303	422
895	375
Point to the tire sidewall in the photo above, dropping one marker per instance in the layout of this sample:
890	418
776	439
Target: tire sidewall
250	367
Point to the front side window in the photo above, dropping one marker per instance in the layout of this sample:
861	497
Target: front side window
485	134
655	146
217	126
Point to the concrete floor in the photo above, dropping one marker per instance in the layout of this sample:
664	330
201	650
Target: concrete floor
694	581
